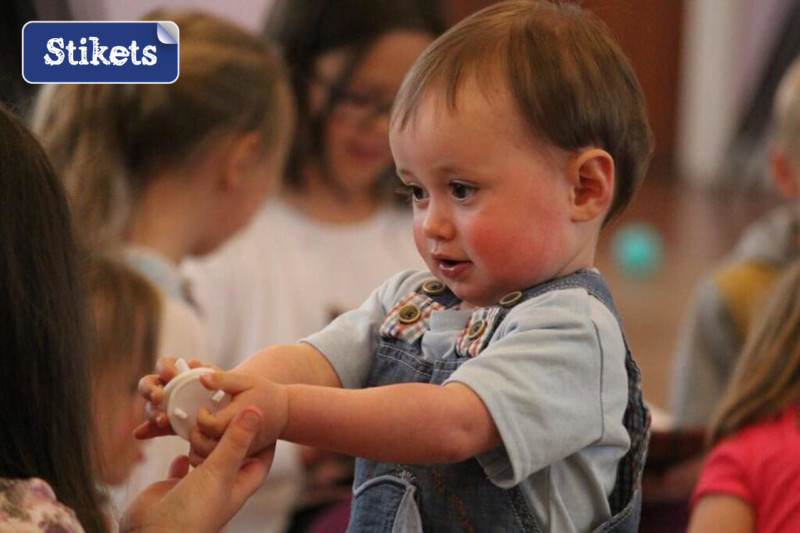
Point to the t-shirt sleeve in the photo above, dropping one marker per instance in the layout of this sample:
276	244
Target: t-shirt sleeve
350	341
541	380
725	472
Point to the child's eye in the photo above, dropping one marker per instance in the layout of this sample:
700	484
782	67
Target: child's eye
412	192
462	191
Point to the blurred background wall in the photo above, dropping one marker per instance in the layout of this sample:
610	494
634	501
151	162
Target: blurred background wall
708	69
702	63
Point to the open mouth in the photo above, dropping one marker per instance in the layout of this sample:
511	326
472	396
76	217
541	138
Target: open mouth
452	268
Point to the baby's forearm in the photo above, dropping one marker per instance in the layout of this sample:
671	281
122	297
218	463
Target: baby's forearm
413	423
291	363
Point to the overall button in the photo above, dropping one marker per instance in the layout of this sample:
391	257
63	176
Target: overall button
433	287
408	314
510	299
476	329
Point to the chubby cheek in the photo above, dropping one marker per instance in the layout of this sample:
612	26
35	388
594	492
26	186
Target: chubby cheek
510	255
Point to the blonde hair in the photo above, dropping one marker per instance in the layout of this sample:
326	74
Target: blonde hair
766	378
786	113
124	305
569	80
106	141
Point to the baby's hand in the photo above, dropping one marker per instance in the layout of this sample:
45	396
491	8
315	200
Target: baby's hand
270	397
151	387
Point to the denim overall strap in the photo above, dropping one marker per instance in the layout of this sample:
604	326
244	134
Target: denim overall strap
459	497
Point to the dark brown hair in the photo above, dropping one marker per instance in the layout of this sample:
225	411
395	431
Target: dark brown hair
307	29
46	395
567	77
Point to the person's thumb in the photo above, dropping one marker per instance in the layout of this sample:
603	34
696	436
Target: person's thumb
252	474
231	452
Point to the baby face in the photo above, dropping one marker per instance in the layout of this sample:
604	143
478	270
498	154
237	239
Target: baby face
491	203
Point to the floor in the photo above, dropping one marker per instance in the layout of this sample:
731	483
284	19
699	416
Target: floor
696	227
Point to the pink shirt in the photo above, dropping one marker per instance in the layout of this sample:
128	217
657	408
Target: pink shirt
760	465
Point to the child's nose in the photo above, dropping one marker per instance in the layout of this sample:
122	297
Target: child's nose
437	224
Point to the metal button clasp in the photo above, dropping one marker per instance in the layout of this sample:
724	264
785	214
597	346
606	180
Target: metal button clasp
433	287
510	299
476	329
408	314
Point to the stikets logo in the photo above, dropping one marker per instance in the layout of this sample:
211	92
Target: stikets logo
100	52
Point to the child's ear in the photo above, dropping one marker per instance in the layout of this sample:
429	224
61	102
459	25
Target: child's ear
245	152
591	172
784	175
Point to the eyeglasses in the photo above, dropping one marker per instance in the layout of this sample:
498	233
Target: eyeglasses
359	108
354	106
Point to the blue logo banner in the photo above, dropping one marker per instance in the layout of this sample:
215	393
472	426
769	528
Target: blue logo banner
100	52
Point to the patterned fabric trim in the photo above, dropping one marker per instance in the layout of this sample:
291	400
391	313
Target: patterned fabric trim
480	328
408	319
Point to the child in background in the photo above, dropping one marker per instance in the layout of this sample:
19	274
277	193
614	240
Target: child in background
336	229
727	300
751	478
126	310
162	172
494	392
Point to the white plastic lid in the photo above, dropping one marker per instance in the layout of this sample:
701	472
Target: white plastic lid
185	395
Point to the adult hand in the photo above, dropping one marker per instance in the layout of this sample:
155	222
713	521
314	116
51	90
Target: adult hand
206	498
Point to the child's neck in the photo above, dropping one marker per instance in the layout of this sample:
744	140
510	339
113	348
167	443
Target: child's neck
163	221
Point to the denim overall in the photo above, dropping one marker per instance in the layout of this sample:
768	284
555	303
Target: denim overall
459	497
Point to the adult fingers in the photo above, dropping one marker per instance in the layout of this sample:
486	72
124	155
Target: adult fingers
156	416
232	450
179	467
252	474
151	387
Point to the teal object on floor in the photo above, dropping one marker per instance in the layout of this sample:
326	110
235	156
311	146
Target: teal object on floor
638	249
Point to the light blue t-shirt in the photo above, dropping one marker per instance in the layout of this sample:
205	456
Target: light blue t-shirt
553	379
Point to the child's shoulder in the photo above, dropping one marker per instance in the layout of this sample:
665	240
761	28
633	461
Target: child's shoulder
564	308
771	238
